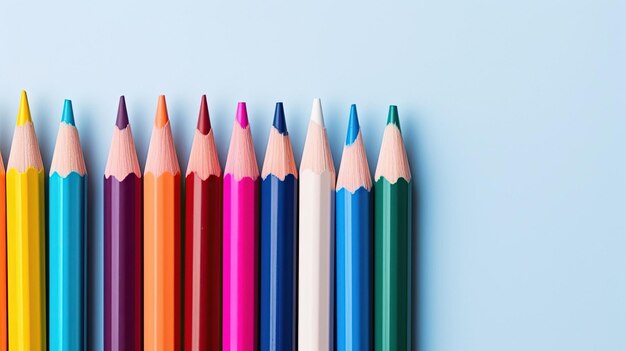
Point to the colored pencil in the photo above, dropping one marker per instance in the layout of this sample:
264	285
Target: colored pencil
241	226
354	243
3	260
392	241
26	239
161	239
67	203
203	240
122	240
316	239
279	196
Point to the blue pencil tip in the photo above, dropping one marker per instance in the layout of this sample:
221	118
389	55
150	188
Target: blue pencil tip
279	119
68	113
353	126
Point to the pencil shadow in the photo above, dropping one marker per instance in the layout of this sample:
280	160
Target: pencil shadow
410	127
94	244
415	251
94	270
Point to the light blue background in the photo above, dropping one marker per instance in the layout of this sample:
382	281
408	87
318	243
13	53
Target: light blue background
514	114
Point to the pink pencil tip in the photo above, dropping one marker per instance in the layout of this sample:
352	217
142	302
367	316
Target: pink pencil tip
242	114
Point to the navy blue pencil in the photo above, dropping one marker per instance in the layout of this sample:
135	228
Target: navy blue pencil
278	240
354	244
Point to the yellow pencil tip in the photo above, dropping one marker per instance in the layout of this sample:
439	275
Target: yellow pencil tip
23	114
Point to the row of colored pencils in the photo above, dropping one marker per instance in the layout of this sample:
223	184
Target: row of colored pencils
272	260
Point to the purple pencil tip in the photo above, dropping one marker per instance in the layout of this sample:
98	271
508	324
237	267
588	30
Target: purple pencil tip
122	114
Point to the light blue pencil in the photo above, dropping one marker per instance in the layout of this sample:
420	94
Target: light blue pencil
67	235
354	244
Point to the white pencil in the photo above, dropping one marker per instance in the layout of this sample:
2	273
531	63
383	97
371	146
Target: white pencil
316	239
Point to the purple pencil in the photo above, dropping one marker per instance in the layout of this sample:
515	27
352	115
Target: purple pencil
122	240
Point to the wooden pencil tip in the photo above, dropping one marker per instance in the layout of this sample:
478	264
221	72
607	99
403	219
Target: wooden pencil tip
204	120
23	114
161	118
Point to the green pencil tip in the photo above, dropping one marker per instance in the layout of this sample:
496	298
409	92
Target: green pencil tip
68	113
393	118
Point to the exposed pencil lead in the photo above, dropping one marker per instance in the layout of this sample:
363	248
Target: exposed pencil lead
161	118
23	114
279	119
122	114
393	118
242	114
316	112
204	120
353	126
68	113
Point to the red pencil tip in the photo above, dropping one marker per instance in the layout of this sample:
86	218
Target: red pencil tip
161	118
242	114
204	121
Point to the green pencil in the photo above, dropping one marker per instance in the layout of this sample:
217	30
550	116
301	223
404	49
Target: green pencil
392	246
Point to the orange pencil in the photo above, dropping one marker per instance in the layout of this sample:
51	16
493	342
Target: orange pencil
161	239
3	260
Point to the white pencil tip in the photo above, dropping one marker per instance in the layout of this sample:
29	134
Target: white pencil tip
316	112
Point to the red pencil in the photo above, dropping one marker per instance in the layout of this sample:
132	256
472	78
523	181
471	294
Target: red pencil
203	240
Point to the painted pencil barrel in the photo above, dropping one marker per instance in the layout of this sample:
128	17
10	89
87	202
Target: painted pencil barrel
26	259
203	263
278	263
162	262
354	269
122	263
392	236
241	222
66	261
316	253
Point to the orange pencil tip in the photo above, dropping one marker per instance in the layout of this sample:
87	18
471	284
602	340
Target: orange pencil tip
161	118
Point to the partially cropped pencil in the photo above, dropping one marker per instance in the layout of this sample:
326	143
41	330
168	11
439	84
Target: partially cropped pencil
354	236
316	239
203	240
26	239
392	241
279	196
67	229
3	260
241	231
122	240
161	239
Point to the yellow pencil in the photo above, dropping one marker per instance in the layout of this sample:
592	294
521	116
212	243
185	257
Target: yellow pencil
26	237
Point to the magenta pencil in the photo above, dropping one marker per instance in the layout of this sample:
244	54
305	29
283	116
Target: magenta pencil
241	240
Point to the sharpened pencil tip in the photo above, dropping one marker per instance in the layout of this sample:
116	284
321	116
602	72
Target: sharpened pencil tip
242	114
279	119
204	120
23	114
68	113
317	115
353	126
161	118
122	114
393	118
